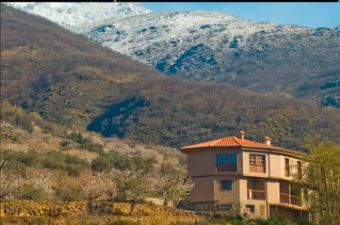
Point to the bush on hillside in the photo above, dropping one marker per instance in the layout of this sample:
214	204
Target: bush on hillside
67	189
112	159
32	192
122	222
50	160
86	143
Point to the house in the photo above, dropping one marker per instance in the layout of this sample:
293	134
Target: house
252	177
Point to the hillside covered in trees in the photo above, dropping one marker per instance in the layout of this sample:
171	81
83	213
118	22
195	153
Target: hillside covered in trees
75	83
37	156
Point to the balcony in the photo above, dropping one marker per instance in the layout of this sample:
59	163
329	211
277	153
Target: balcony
290	199
256	194
256	188
290	194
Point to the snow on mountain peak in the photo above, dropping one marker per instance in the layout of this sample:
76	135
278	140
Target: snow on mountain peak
171	33
73	15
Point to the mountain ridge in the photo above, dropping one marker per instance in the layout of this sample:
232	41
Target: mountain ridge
69	80
257	56
205	45
73	15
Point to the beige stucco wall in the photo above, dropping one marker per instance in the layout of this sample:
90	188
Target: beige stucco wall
225	196
243	196
275	165
203	190
203	163
273	191
246	170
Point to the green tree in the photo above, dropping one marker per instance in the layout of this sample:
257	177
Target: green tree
322	179
133	186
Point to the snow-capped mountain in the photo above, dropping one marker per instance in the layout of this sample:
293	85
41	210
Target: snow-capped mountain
78	16
170	34
205	45
261	57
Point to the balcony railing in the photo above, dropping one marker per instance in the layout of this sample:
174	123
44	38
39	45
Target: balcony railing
256	194
290	199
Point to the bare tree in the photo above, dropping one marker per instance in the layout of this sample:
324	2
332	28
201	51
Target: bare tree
43	180
101	186
9	182
172	183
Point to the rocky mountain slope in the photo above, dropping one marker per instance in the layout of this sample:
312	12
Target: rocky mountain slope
261	57
76	83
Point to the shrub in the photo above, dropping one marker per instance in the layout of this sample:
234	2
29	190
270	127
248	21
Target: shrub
122	162
86	143
73	170
14	163
51	160
100	163
76	137
31	192
28	159
140	163
68	195
122	222
74	165
68	189
64	143
92	147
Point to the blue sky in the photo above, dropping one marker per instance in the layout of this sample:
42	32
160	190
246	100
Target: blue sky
304	14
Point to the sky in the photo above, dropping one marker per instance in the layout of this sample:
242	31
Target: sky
304	14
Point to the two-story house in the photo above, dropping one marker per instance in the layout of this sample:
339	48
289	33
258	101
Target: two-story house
253	177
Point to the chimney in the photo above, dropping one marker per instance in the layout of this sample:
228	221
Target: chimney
267	140
242	133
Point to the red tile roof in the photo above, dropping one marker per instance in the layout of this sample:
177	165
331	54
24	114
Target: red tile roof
230	142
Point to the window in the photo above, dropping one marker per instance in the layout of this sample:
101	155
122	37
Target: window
226	185
299	169
226	162
287	167
250	208
257	163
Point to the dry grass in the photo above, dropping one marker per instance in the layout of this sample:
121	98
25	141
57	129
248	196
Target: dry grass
64	213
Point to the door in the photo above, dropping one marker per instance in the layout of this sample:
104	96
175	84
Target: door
263	212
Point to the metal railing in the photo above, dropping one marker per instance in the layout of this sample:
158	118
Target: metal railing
290	199
256	194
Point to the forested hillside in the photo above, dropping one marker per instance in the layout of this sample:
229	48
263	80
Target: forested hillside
205	45
71	81
39	154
